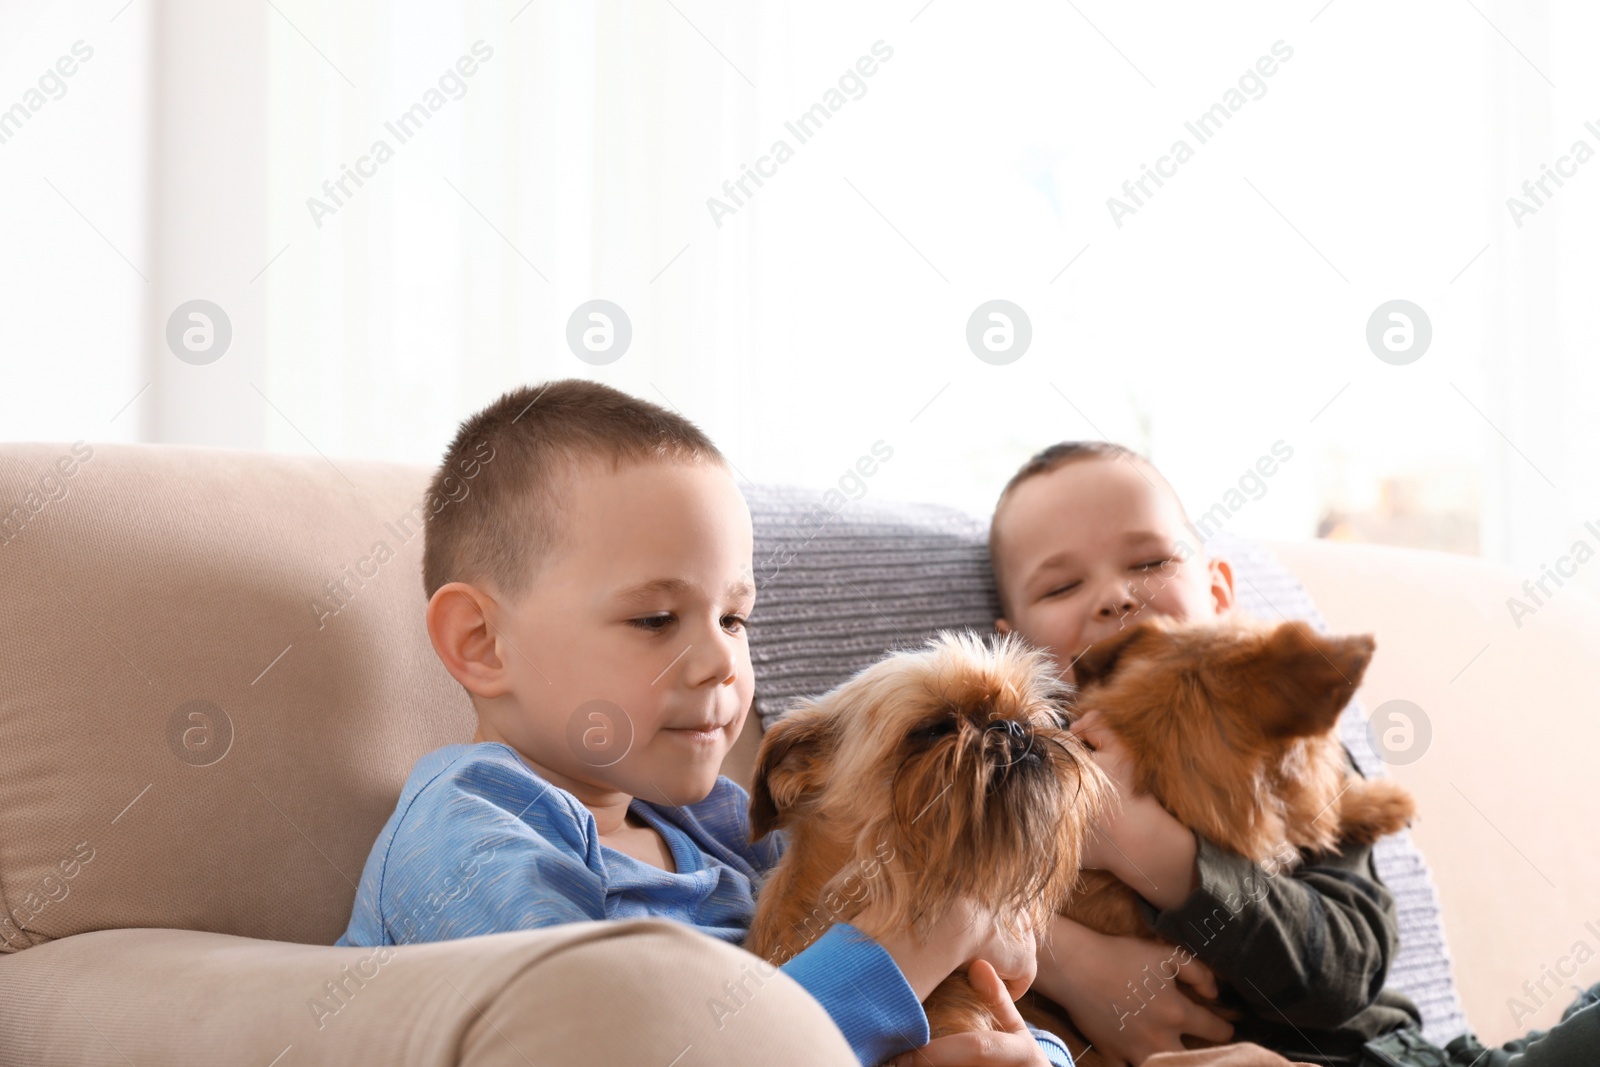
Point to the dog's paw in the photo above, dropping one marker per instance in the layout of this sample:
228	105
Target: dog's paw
1369	810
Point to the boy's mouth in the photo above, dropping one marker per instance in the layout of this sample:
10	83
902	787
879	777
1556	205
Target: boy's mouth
702	732
698	737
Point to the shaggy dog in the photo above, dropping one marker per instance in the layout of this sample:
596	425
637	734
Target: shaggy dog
931	775
1232	727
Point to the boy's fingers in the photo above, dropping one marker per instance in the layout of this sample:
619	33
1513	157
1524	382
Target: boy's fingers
1094	735
1102	741
986	980
1014	947
1207	1024
1086	721
1199	977
977	1049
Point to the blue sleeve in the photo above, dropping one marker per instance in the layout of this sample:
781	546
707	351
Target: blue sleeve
860	986
1055	1050
487	853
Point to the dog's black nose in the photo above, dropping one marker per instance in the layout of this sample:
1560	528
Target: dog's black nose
1018	741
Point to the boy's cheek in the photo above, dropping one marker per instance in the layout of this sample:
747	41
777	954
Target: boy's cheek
1057	632
1183	599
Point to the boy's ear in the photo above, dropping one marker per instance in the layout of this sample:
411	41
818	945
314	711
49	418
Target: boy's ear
793	757
464	640
1222	598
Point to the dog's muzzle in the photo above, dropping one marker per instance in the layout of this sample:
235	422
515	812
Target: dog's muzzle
1018	741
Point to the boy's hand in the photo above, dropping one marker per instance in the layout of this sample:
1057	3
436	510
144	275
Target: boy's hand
1088	973
967	932
1011	1046
1011	954
1136	838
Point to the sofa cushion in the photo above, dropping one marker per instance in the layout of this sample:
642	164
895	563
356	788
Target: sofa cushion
840	585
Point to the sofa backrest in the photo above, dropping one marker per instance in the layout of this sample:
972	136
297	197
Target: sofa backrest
839	583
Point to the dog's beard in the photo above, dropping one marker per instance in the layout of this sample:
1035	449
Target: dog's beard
997	819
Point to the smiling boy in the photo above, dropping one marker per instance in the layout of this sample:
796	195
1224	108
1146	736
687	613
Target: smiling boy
1088	538
591	595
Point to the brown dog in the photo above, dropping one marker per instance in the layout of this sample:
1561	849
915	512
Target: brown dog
1232	726
931	775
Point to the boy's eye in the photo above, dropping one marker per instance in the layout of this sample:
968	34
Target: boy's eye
1156	563
658	623
1069	587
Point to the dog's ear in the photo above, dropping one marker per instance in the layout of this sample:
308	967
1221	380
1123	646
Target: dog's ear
1307	678
793	756
1097	662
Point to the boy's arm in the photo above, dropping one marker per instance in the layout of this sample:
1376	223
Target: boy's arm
486	853
1311	949
857	982
862	989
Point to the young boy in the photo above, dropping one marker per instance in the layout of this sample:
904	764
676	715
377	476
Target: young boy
1087	538
591	593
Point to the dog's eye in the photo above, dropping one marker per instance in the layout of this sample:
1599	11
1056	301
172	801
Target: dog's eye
933	731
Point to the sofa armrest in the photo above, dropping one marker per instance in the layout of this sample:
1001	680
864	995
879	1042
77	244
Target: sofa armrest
636	992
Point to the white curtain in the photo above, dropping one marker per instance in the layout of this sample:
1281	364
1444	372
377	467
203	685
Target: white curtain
967	154
1542	321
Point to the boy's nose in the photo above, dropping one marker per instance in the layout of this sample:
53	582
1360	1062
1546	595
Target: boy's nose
1117	600
712	661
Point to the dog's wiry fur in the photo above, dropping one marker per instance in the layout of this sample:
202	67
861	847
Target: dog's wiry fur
932	774
1232	726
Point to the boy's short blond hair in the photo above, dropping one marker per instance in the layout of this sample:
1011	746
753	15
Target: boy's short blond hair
519	451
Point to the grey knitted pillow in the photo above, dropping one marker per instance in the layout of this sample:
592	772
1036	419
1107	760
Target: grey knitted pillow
838	587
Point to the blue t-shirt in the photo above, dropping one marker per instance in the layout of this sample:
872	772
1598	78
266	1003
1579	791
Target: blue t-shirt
480	844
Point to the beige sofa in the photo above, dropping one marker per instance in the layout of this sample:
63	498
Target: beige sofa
216	678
